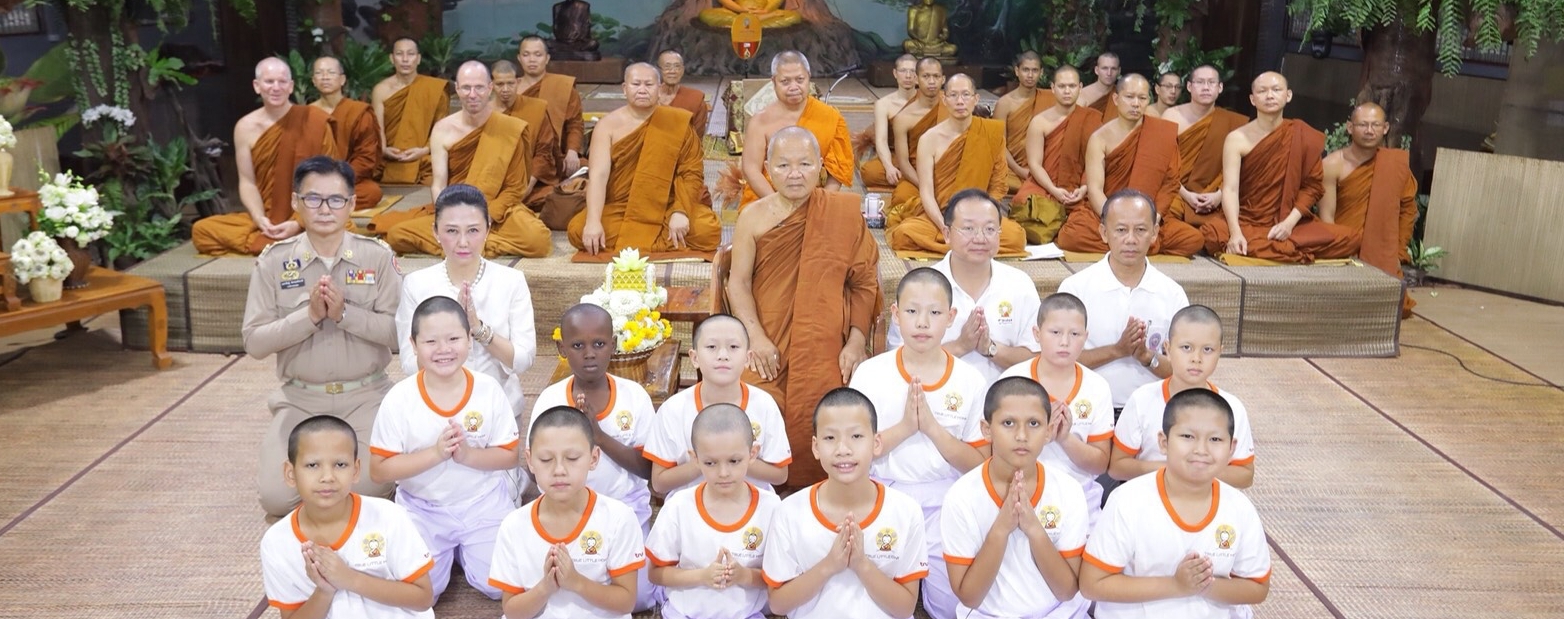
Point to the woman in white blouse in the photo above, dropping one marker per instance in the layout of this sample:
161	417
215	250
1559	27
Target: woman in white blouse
499	306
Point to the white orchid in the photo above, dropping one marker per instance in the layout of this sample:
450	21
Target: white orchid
70	210
124	117
36	256
7	136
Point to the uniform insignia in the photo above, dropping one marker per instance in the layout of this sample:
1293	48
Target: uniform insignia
293	264
1083	409
952	401
1005	309
1225	535
472	421
347	253
292	279
591	542
754	430
374	545
752	538
885	540
623	420
361	277
1049	516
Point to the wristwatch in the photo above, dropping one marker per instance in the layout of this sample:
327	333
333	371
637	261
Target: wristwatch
993	349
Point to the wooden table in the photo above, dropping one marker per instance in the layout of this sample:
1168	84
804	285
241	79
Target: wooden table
23	201
691	304
106	291
662	371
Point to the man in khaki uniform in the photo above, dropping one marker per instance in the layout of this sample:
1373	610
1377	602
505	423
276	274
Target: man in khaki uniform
324	302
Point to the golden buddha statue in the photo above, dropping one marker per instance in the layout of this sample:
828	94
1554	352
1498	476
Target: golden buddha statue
927	34
770	12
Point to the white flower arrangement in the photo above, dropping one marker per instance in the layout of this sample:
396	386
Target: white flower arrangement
124	117
71	211
7	136
36	256
631	295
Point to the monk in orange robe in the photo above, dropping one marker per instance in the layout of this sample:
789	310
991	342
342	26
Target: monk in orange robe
959	153
674	93
487	150
1017	108
540	132
1095	96
353	127
1271	177
1370	188
268	144
564	103
407	105
805	282
1202	128
1055	159
1132	151
644	178
794	106
880	170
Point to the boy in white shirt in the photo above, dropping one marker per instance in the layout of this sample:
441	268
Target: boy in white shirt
340	555
1194	347
1080	397
823	560
1014	528
1180	542
706	546
721	347
572	553
930	403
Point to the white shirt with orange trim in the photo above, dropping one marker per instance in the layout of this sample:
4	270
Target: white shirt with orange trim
688	537
380	541
1110	304
1141	422
893	537
1019	590
606	543
1009	303
668	445
627	418
1139	534
956	401
1091	414
409	421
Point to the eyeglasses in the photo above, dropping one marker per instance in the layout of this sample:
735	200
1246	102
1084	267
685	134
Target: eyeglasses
961	95
327	73
472	88
315	201
973	232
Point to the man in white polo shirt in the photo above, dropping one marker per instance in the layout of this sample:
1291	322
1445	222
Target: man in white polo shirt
1129	303
1003	296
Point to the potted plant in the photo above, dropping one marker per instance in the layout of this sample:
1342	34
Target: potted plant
71	214
42	265
1424	261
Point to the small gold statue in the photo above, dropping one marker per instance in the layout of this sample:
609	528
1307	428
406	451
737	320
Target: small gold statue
927	34
770	12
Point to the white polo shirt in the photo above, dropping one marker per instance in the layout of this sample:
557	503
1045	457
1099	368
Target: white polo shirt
1141	422
605	544
628	419
1009	305
380	541
688	537
956	400
1091	415
1109	304
409	421
669	445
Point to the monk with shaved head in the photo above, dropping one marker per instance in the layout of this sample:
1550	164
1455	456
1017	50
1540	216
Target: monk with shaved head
1055	159
354	128
1369	188
1202	129
545	141
1095	96
1272	175
790	75
564	103
407	105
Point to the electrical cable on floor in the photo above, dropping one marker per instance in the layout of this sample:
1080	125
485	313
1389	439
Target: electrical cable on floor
14	356
1481	375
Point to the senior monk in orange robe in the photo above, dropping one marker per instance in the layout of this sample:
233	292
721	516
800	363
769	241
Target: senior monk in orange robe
1271	177
794	106
540	131
1370	188
1017	108
1095	96
1132	151
268	144
644	178
674	93
1202	128
959	153
880	170
805	282
487	150
564	103
353	128
407	105
1055	159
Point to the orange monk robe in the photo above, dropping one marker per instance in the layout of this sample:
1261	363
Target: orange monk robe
1200	162
816	278
356	133
545	147
907	188
872	171
495	159
304	132
1379	199
1146	161
657	171
1064	159
1015	130
410	115
1281	174
564	106
836	144
694	102
974	159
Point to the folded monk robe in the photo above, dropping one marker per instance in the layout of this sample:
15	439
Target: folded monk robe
1200	162
1281	174
1379	199
974	159
545	148
907	188
656	171
357	134
1146	161
1064	159
564	106
304	132
872	172
495	159
410	115
1015	131
816	277
693	101
836	143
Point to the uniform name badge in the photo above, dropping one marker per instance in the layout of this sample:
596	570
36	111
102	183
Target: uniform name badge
292	278
361	277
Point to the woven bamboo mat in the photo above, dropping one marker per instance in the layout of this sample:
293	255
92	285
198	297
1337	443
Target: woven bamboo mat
1283	306
169	269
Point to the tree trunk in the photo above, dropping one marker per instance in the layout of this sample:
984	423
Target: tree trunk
410	18
1172	40
1398	74
1528	125
825	39
96	24
327	15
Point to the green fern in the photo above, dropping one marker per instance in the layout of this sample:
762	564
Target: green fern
1446	19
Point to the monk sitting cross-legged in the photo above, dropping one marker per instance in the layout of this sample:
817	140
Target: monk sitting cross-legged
489	151
540	131
1202	128
1271	177
1370	188
1137	152
926	109
408	104
353	127
794	106
880	170
268	144
1055	160
644	178
960	153
1017	108
805	282
559	91
673	93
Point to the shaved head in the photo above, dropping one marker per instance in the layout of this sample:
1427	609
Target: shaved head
643	67
1267	78
1195	315
721	420
1131	80
951	83
1368	110
1060	302
793	134
502	67
793	161
586	316
272	64
473	69
789	57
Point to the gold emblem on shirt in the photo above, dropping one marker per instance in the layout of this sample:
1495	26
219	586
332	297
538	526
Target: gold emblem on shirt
752	538
885	540
1049	516
1225	535
591	542
623	419
472	421
952	401
754	430
374	545
1083	409
1005	308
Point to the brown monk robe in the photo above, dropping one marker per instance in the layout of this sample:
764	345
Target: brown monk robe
836	143
694	102
1146	161
1200	162
545	148
1064	159
355	132
907	188
1016	123
879	135
1379	199
872	172
304	132
656	171
410	114
564	105
976	158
